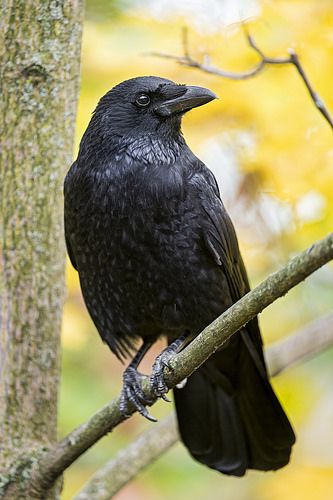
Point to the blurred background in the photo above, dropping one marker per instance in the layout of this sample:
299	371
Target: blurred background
272	153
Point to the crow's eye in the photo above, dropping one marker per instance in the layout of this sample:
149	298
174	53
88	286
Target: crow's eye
142	100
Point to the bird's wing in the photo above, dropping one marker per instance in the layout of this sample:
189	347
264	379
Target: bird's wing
228	414
221	241
95	289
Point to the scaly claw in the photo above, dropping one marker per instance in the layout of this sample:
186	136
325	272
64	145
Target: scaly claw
161	363
132	393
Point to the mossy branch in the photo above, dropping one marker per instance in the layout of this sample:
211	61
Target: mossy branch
151	444
58	457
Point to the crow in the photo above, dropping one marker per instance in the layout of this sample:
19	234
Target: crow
157	255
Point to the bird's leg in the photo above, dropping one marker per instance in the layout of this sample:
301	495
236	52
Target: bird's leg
162	361
132	390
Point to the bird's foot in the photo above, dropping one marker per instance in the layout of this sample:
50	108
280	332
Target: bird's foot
161	363
132	393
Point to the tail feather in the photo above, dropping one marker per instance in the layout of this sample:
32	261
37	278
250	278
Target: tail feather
209	425
267	428
229	417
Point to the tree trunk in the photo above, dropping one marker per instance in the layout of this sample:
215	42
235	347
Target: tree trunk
39	74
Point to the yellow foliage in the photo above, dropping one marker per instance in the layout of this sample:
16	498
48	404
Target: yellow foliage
73	334
287	154
302	482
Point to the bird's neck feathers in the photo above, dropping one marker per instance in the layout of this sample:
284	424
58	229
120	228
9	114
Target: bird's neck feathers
153	149
149	148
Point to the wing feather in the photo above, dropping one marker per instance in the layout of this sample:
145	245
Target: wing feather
222	243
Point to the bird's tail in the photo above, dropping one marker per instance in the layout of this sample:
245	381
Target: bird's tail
229	417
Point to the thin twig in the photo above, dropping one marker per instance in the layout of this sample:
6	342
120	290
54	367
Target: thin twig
187	60
318	101
303	344
209	68
57	458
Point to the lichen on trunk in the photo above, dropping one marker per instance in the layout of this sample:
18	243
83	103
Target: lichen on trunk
39	75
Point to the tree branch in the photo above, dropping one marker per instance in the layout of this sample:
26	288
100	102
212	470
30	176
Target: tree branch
131	460
187	60
305	343
301	345
57	458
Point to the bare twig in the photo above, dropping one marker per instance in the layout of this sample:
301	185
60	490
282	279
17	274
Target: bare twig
187	60
151	444
57	458
319	103
301	345
131	460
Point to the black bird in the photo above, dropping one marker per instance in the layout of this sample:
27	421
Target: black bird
157	254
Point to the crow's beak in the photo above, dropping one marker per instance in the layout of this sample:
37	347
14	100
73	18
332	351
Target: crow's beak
191	97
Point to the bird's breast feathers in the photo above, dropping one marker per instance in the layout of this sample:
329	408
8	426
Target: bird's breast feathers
121	190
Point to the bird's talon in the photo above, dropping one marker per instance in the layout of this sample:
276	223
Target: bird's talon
166	365
148	416
161	364
133	394
123	409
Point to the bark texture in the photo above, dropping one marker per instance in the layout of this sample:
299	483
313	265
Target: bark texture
39	74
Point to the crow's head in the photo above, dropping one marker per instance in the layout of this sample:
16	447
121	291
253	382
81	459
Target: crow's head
146	105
